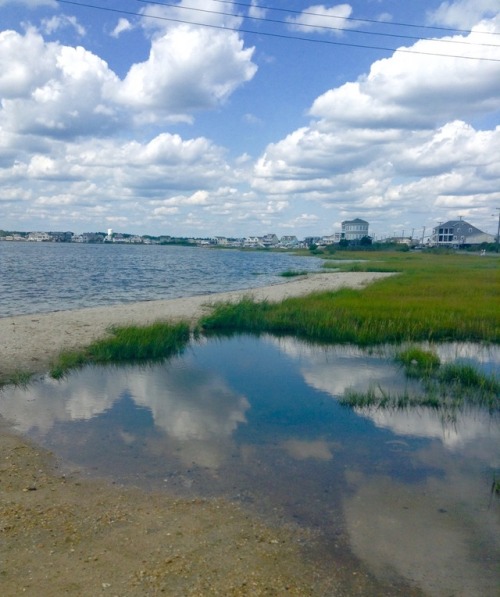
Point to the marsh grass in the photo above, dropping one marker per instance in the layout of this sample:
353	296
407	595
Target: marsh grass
418	363
449	387
467	377
434	297
374	266
127	345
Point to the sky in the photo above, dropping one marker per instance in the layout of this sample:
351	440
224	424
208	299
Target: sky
205	118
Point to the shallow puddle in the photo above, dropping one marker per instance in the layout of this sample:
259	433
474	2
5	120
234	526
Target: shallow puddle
257	420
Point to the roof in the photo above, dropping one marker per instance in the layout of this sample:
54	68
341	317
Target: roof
460	224
355	221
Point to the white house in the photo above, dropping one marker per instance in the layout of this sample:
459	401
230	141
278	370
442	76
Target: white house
39	237
354	229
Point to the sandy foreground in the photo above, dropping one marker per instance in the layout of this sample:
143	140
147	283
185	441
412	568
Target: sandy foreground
62	534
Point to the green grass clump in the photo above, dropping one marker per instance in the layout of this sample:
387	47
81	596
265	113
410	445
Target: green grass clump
290	273
467	376
126	345
434	298
418	362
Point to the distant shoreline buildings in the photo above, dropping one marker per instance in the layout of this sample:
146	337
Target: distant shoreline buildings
453	233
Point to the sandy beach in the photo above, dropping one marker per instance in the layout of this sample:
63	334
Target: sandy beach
31	342
62	533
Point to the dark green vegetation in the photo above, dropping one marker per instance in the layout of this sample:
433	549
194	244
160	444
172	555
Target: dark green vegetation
433	297
450	387
126	345
290	273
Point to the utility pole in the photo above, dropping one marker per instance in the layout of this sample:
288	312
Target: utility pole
498	229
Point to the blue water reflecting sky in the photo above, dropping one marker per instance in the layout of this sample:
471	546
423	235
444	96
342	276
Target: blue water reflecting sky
257	420
62	276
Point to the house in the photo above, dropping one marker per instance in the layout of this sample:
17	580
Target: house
252	242
312	240
269	240
329	240
354	229
219	240
61	237
288	241
39	237
459	233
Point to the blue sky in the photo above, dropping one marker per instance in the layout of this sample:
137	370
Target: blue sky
143	119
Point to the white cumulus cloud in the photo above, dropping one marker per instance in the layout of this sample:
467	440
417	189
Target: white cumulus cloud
399	138
322	19
463	13
188	69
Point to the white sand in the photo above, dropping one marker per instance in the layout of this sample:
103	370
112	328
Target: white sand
31	342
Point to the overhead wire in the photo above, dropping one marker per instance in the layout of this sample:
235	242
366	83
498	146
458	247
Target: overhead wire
277	35
360	20
325	28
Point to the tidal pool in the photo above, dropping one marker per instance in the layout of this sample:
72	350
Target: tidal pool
257	420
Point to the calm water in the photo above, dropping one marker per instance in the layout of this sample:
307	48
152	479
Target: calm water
41	277
257	420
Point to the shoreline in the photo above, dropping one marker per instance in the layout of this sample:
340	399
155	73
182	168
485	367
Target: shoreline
29	343
67	534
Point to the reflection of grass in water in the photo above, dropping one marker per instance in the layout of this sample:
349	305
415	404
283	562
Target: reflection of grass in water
18	378
449	387
127	345
381	399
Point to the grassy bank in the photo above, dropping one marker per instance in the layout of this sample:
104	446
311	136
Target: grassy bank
433	297
126	345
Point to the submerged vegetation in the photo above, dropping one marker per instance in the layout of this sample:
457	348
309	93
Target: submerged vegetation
433	297
450	386
127	344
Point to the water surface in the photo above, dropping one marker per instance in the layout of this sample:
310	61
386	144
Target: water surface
257	420
43	277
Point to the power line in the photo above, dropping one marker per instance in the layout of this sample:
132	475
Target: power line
278	35
315	27
372	21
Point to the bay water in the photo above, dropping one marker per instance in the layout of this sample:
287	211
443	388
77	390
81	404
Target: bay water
45	277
